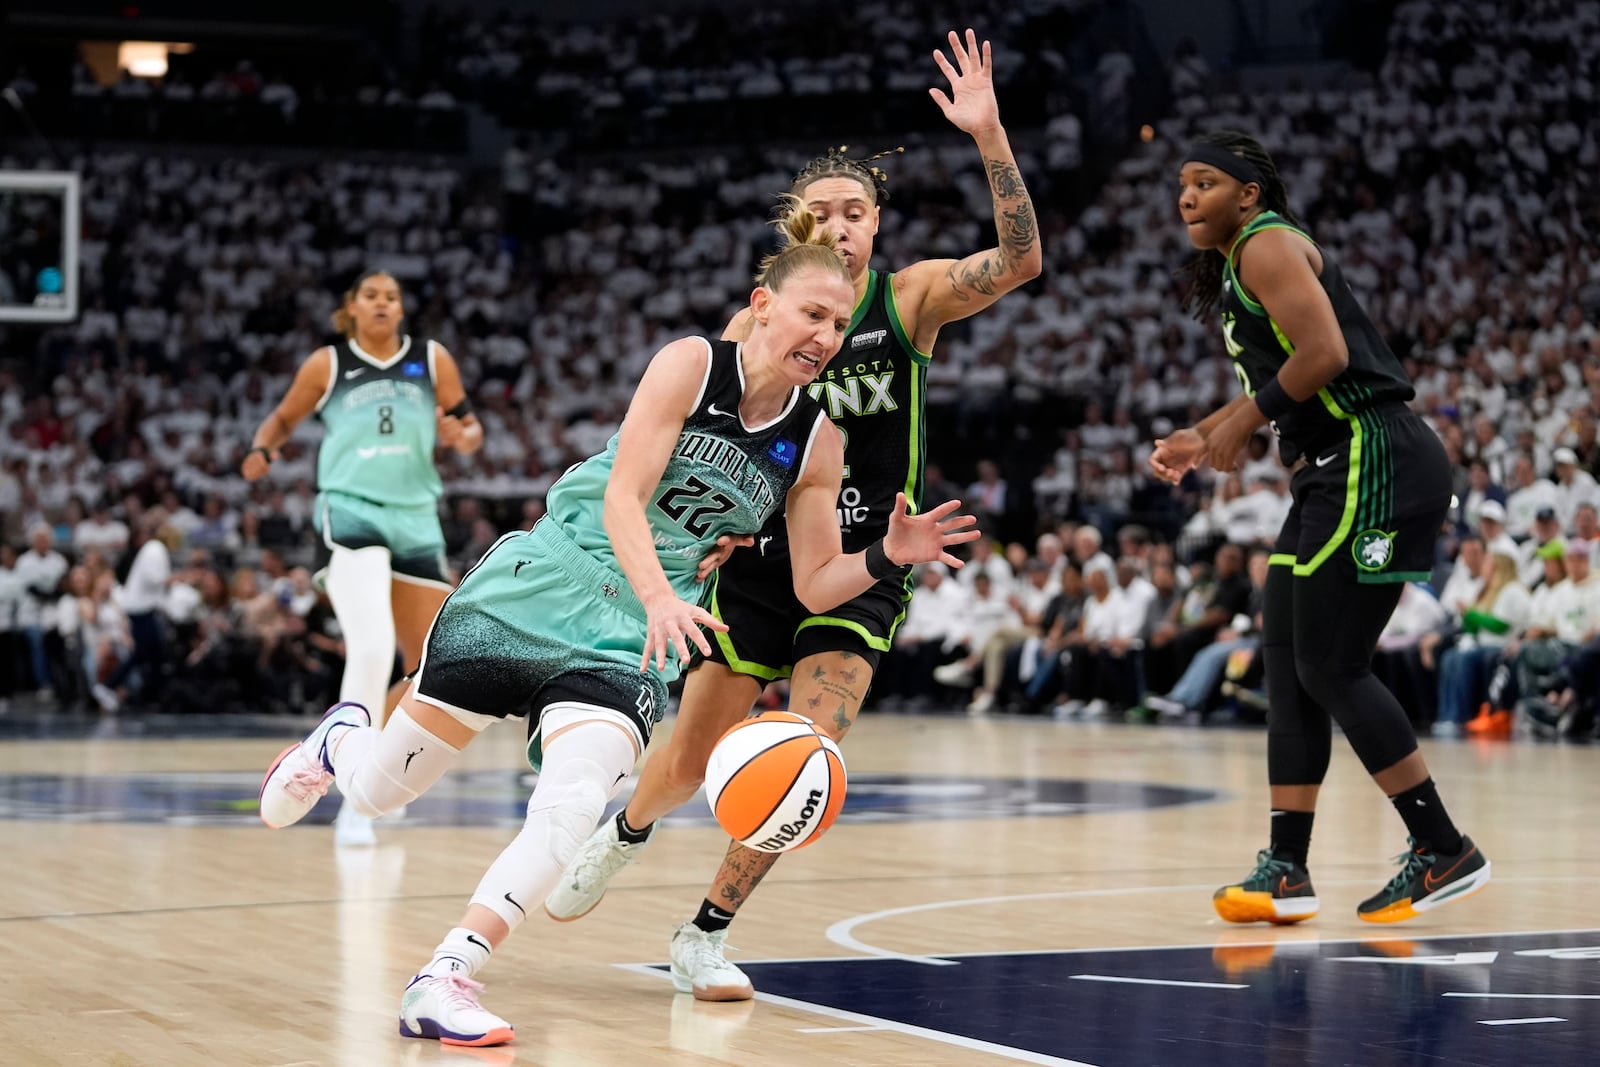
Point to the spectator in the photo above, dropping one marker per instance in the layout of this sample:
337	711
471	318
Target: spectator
40	570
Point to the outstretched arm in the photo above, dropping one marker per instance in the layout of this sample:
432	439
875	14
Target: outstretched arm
824	576
309	385
938	291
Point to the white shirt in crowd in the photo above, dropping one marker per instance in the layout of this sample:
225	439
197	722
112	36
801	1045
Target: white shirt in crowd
145	588
41	572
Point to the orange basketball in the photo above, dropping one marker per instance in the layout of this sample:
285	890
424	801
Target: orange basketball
774	782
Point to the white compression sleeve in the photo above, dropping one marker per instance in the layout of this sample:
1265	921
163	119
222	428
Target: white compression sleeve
358	587
581	772
380	770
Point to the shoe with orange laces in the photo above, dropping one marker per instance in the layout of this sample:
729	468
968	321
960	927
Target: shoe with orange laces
1426	880
1277	891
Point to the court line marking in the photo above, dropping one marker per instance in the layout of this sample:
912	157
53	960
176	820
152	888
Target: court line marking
1156	981
1525	996
841	932
873	1022
838	1029
1520	1022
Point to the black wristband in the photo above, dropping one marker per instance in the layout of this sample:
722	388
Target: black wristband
461	410
1273	401
879	565
266	454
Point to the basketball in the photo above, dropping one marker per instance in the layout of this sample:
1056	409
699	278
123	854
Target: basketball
775	783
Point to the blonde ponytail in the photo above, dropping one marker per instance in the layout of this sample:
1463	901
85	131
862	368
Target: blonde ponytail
805	245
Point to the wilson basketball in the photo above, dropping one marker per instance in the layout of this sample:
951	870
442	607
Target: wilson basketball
775	783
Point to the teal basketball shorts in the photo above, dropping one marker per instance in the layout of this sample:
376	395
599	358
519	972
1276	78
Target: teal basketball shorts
538	621
411	534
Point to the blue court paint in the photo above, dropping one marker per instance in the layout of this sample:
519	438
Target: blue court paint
500	797
1302	1004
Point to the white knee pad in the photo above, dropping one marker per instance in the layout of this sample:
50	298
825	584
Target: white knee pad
573	803
358	587
381	771
580	769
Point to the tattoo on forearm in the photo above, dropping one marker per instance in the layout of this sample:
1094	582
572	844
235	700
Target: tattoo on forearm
1015	223
1004	180
1019	230
742	870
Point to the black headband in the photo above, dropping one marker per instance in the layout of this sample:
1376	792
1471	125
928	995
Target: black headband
1225	161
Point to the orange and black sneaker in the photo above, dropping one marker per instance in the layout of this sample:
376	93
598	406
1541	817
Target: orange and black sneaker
1277	891
1426	880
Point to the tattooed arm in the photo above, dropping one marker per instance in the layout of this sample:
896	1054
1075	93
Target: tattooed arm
936	291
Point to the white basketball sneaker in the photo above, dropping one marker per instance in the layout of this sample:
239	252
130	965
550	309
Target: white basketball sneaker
699	967
583	882
301	774
446	1009
351	828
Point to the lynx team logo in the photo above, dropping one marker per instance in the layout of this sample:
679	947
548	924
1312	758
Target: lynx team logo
1373	549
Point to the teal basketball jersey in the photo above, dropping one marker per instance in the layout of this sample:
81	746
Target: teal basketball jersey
723	478
380	425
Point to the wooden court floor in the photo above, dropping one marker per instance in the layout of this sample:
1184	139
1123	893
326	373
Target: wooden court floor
150	920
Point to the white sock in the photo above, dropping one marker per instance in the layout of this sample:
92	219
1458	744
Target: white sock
462	952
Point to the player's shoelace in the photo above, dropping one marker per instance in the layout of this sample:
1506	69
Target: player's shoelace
1268	870
461	991
1415	862
706	951
308	780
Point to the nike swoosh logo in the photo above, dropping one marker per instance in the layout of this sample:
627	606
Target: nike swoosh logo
1285	887
717	914
367	453
514	904
472	939
1323	461
1430	883
712	409
358	372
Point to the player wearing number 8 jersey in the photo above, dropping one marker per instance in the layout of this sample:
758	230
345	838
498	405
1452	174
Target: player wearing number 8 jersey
874	391
579	623
385	398
1370	492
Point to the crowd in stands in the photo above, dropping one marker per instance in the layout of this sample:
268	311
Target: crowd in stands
1460	202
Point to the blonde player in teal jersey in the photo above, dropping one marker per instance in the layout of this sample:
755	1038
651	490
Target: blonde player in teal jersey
579	623
385	398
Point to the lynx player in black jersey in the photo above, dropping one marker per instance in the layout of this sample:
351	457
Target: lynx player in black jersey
874	391
1371	488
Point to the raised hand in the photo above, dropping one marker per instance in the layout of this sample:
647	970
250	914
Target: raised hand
971	105
668	620
927	537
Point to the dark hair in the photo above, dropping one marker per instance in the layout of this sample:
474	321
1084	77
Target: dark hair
343	323
1205	270
838	165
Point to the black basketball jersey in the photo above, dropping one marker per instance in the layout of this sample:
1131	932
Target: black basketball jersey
875	391
1259	350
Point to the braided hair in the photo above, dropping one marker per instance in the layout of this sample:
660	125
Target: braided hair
1204	272
838	165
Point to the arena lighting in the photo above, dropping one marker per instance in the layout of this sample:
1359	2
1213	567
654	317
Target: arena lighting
148	59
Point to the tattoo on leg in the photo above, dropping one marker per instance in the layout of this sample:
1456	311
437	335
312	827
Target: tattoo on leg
848	677
818	675
742	870
814	701
847	655
841	719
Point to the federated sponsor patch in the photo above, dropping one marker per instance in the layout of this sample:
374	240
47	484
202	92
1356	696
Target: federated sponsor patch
866	340
1372	549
